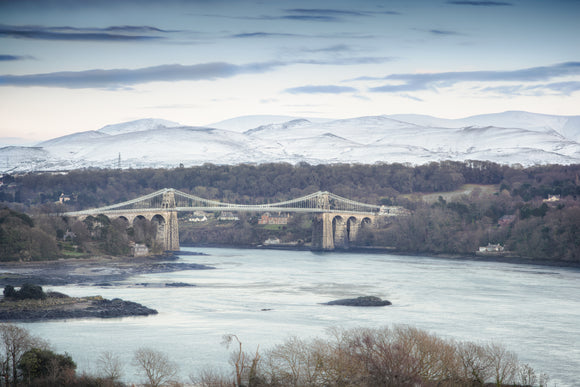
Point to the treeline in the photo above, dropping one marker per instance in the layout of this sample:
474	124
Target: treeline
398	356
456	225
21	238
48	236
247	183
533	229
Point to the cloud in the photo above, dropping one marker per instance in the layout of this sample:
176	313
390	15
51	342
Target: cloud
310	15
333	49
560	88
327	14
347	61
481	3
321	89
425	81
264	35
8	58
110	34
443	32
121	78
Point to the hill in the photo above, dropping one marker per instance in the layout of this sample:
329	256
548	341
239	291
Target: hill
505	138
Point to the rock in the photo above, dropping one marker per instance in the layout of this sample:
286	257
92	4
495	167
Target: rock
360	301
83	308
179	285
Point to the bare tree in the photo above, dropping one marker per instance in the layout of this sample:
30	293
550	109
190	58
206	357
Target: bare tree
475	364
110	365
294	363
211	378
504	364
156	365
14	342
245	367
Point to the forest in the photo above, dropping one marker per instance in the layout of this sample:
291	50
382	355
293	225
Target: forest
533	212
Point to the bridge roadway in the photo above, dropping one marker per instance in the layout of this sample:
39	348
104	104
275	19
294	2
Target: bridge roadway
336	224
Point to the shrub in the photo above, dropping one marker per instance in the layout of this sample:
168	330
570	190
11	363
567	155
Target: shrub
26	292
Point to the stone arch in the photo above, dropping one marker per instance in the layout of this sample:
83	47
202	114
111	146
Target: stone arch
125	221
339	225
140	226
352	228
366	222
161	227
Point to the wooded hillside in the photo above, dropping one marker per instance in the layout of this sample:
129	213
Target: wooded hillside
458	223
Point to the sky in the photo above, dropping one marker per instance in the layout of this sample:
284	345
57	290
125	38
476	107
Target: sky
73	65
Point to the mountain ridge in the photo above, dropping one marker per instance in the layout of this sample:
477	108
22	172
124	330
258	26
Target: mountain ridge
508	138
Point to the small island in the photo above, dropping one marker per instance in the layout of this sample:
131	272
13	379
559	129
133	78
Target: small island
31	303
360	301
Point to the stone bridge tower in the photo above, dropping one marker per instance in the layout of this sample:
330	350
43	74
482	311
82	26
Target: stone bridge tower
168	233
332	230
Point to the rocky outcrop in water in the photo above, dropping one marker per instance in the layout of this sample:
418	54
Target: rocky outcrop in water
89	307
360	301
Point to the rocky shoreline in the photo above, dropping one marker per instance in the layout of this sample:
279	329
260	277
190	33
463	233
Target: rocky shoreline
95	271
86	307
89	271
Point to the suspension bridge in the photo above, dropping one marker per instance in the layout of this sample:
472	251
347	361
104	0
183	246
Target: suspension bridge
336	223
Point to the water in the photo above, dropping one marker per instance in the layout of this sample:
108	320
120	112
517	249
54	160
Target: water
532	310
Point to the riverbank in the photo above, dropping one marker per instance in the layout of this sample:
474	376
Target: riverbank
99	270
500	258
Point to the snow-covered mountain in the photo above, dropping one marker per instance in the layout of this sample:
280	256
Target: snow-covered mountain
507	138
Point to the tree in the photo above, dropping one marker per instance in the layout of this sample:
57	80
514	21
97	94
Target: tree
38	363
245	367
111	366
157	366
14	342
30	292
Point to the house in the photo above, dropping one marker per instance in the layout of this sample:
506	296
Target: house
69	235
63	198
272	241
268	218
506	220
198	219
139	250
552	199
491	248
226	215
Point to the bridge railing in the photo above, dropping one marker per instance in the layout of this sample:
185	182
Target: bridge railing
314	203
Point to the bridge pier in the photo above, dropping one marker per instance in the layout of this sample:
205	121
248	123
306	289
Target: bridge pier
337	231
170	234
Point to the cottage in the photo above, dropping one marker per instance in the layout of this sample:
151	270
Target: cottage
491	248
69	235
552	199
198	219
139	250
272	241
227	216
63	198
268	218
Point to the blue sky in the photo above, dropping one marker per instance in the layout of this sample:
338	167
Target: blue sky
72	65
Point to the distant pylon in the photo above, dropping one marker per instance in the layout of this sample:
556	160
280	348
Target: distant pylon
119	162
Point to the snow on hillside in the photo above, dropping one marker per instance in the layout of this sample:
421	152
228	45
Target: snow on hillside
244	123
507	138
80	138
138	126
